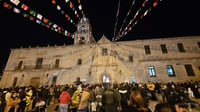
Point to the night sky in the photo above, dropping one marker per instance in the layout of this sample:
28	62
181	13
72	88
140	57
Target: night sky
170	18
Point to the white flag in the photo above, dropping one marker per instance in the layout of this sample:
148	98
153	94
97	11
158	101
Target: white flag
16	2
66	1
16	10
58	7
80	7
39	16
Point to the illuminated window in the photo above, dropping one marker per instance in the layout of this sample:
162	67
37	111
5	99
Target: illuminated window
152	71
170	70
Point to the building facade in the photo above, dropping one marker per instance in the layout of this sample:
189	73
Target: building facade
159	60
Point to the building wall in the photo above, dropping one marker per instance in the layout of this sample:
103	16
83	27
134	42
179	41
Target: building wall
94	65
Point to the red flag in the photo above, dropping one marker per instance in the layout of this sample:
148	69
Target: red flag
77	16
24	6
6	5
144	3
155	3
45	20
70	4
59	28
53	2
31	18
67	16
79	1
47	26
68	34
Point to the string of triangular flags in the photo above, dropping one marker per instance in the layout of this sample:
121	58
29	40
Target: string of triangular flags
117	15
58	7
128	13
71	6
32	15
141	12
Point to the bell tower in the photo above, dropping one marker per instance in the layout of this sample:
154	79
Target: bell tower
83	35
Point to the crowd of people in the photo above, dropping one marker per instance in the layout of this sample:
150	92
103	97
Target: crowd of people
116	97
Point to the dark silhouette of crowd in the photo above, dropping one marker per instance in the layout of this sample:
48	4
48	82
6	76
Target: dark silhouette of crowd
116	97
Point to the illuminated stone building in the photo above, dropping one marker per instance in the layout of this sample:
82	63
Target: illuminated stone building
159	60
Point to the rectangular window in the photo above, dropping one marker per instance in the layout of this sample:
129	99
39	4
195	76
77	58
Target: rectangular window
130	58
163	48
170	70
57	63
152	71
198	44
104	52
54	80
189	70
79	61
180	47
19	67
15	81
147	49
39	63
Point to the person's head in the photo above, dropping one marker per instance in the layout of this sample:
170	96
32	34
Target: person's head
163	107
136	99
14	94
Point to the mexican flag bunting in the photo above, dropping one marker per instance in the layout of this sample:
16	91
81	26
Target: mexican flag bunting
77	15
32	12
66	1
143	5
31	18
50	23
24	6
38	21
70	4
51	28
59	28
79	1
67	16
68	34
55	25
25	15
39	16
6	5
16	10
62	12
145	12
47	26
45	20
58	7
53	2
65	32
71	21
16	2
80	7
155	3
43	24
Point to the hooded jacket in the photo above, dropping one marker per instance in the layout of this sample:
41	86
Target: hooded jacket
64	97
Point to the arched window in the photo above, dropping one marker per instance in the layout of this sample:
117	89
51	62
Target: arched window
106	78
